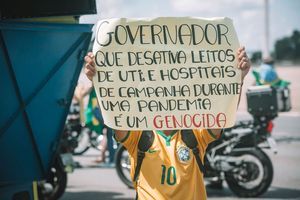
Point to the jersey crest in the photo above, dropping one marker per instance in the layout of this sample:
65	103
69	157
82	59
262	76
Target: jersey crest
183	154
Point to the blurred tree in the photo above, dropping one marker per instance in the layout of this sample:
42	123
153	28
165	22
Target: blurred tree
288	48
296	45
283	49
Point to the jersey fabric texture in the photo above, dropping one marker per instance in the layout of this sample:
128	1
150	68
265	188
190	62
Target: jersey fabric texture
169	169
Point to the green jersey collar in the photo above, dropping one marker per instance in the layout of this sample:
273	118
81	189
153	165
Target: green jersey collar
167	137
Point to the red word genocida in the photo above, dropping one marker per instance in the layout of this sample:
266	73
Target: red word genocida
190	121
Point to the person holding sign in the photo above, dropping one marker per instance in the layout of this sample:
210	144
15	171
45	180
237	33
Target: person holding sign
168	86
169	170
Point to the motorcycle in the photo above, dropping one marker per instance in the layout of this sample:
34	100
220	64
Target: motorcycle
238	156
79	135
82	135
76	140
54	186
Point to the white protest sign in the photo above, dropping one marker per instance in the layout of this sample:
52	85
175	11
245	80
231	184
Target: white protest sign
167	73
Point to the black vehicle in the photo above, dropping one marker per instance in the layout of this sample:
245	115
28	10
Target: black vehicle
81	137
54	186
238	156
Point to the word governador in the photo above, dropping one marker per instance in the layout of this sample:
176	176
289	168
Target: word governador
185	34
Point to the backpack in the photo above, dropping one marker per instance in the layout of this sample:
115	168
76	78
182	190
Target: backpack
146	141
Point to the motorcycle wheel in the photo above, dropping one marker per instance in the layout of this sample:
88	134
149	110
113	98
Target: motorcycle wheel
253	176
122	161
55	185
83	141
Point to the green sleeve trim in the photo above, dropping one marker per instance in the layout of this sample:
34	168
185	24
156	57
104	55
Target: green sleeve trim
221	133
124	139
212	134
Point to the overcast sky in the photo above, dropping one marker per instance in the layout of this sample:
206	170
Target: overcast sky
247	15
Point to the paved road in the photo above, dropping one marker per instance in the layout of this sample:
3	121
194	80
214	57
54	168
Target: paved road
94	182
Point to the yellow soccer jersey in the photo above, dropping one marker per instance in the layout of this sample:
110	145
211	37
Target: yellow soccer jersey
169	169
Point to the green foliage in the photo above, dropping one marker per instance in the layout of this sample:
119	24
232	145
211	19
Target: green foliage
288	48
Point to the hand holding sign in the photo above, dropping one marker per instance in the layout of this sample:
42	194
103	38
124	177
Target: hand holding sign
166	73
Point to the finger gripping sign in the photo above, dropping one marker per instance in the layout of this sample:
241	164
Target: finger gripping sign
167	73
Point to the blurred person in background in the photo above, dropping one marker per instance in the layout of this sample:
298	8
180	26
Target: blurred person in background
266	74
92	117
